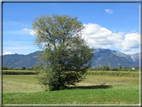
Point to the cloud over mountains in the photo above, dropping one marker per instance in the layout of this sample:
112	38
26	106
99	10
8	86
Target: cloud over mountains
100	37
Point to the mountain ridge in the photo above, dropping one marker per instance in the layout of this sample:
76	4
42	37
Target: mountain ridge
101	57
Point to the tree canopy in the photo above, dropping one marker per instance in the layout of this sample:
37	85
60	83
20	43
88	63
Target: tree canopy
66	55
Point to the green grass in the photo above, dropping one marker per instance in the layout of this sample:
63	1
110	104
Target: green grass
114	73
111	80
20	83
95	89
78	95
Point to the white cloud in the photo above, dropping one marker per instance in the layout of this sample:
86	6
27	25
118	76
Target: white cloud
27	30
44	44
20	49
24	31
30	31
8	53
130	42
109	11
100	37
51	45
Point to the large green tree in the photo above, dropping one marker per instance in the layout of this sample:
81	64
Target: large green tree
66	55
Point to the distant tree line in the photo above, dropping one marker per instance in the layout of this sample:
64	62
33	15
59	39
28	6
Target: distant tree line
104	68
107	68
23	68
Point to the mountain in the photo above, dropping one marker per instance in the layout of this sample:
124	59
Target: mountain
114	59
19	61
103	57
135	58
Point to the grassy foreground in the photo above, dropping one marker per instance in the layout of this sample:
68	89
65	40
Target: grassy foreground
80	95
95	89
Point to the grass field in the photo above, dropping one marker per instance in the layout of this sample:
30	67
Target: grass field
95	89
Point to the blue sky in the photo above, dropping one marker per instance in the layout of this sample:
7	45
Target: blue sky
107	25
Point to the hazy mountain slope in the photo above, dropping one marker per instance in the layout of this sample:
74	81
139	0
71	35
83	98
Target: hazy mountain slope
20	60
135	57
105	56
11	60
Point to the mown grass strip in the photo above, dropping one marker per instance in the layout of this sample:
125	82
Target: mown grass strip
113	73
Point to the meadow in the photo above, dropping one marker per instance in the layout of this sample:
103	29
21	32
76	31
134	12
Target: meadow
102	87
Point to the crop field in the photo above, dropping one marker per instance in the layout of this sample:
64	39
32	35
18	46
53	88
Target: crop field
95	89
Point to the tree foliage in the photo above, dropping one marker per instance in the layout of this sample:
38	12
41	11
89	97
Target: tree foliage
106	68
23	68
66	55
120	67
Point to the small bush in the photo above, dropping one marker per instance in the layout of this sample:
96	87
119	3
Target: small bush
23	68
114	69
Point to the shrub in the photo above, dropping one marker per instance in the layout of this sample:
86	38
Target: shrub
23	68
114	69
106	68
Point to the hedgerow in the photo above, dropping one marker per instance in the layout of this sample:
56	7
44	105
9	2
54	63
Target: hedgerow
19	73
